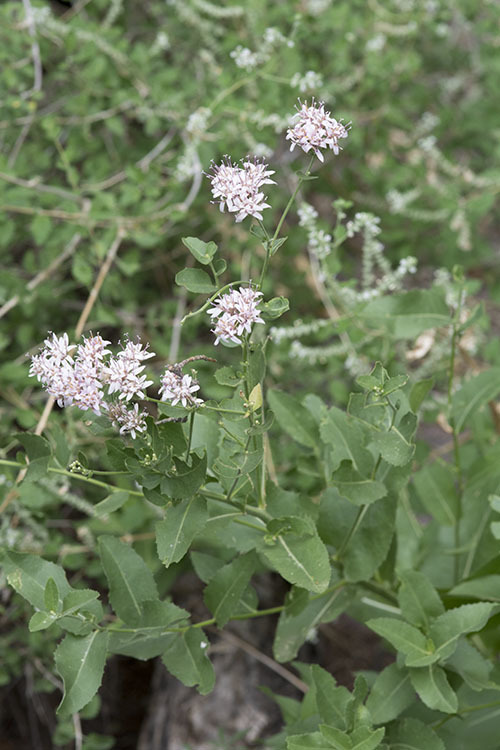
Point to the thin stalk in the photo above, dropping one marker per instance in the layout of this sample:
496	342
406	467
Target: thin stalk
190	436
355	526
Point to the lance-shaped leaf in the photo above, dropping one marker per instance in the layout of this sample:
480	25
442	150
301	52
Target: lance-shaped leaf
405	638
391	693
412	734
474	394
472	667
298	558
130	580
293	418
186	480
223	593
448	627
294	627
436	489
418	599
332	699
313	741
358	489
434	689
186	658
182	522
80	661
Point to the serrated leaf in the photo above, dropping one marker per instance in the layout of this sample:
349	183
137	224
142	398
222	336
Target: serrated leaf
313	741
202	251
358	489
434	689
346	438
78	599
28	575
390	694
395	445
404	637
474	394
472	667
484	587
303	561
363	738
447	628
418	599
130	580
195	280
80	661
336	737
187	659
223	593
41	621
293	418
182	522
332	699
412	734
186	480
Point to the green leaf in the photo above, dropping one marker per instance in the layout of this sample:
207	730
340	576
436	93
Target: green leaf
412	734
434	689
130	580
370	544
202	251
223	593
474	394
182	523
294	627
41	227
300	560
390	695
367	739
355	487
332	699
80	662
38	451
186	480
484	587
335	737
275	308
195	280
78	599
403	314
473	668
346	438
293	418
28	575
436	489
404	637
313	741
41	621
186	658
418	599
111	503
418	393
51	596
447	628
227	376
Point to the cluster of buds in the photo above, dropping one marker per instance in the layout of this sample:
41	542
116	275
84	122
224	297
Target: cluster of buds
315	129
88	377
234	314
237	188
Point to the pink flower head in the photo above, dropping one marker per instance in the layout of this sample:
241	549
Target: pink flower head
315	129
237	188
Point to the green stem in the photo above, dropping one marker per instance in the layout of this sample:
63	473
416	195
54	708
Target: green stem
269	243
190	436
214	296
456	444
355	526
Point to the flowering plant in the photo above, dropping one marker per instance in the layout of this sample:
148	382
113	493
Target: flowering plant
336	502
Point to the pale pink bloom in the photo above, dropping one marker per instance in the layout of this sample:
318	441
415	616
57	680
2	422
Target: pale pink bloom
129	420
237	188
123	376
93	350
58	348
316	129
135	352
177	388
226	329
236	312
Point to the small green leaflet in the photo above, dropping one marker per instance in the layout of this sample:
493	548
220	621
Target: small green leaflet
223	593
474	394
299	559
293	418
434	689
412	734
404	638
195	280
418	599
202	251
186	658
391	693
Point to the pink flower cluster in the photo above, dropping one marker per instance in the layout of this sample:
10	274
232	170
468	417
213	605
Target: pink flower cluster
316	129
176	388
80	378
234	314
237	188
